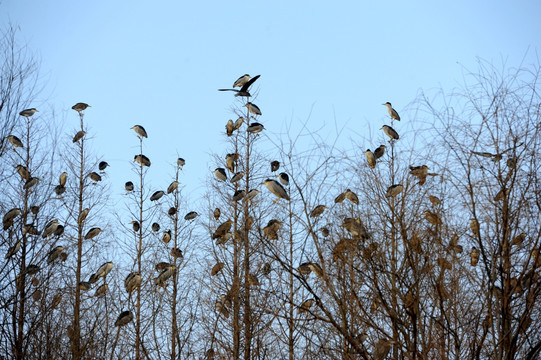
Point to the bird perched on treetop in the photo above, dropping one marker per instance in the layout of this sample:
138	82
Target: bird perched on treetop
255	128
276	188
140	131
379	151
244	82
254	109
241	80
80	107
392	112
28	112
390	132
220	174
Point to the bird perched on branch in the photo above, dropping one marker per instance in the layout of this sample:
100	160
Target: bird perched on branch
253	108
80	107
140	131
276	188
28	112
371	158
142	159
392	112
220	174
390	132
379	151
15	141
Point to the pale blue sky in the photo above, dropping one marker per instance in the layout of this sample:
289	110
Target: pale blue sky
159	63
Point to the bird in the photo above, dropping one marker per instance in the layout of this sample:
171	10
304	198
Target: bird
11	215
241	80
217	268
394	190
101	290
85	285
13	249
155	227
135	226
420	172
59	189
217	213
50	228
132	281
356	228
191	215
23	172
92	233
128	186
239	175
230	161
271	230
251	194
15	141
371	158
220	174
124	318
318	210
176	253
244	82
102	165
381	349
166	236
238	123
80	134
62	179
351	196
392	112
30	229
229	128
474	256
222	229
474	225
172	211
82	216
316	269
181	162
80	107
142	159
104	269
284	178
275	165
59	230
157	195
165	275
390	132
32	269
276	188
172	187
222	309
94	176
238	195
379	151
306	305
254	109
253	280
162	266
255	128
140	131
32	181
432	218
434	200
28	112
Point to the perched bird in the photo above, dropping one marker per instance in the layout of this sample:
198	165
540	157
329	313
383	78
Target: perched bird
80	107
135	226
101	290
502	194
284	178
142	159
238	123
275	165
229	128
63	178
82	216
434	200
94	176
32	181
306	305
176	253
92	233
420	172
191	215
162	266
104	270
394	190
34	209
181	162
325	231
28	112
276	188
253	280
13	249
124	318
254	109
356	228
172	211
59	230
236	177
132	281
271	230
255	128
241	80
10	216
155	227
318	210
128	186
165	275
220	174
217	213
316	269
474	256
238	195
474	225
379	151
32	269
15	141
172	187
382	348
371	158
85	285
217	268
392	112
157	195
23	172
30	229
50	228
432	218
80	134
222	229
59	189
390	132
140	131
230	161
102	165
166	236
222	309
351	196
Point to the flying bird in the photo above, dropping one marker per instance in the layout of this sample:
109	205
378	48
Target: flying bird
244	82
140	131
276	188
392	112
28	112
390	132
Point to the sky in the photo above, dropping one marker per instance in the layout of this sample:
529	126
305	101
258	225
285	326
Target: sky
159	64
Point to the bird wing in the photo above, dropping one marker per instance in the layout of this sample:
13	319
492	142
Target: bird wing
245	87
